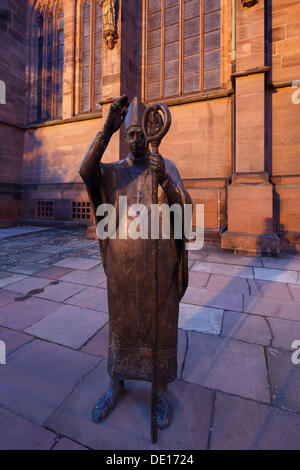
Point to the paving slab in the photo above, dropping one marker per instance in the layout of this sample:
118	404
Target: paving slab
54	272
78	263
6	297
228	270
228	284
229	258
273	290
272	307
4	274
69	326
201	319
198	279
67	444
248	328
13	339
191	263
284	332
91	297
16	433
276	275
29	284
20	315
21	231
39	376
28	269
128	427
90	278
11	279
246	425
289	262
61	291
227	365
98	344
284	378
295	292
213	298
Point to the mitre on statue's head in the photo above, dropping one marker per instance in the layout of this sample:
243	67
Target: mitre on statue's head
134	114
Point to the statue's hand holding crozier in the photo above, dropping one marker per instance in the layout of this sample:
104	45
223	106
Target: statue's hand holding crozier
158	165
116	115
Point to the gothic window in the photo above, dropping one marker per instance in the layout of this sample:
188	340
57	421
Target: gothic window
91	55
182	41
40	66
50	51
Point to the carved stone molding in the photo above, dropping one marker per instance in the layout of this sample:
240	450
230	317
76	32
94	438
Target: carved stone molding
249	3
51	6
109	22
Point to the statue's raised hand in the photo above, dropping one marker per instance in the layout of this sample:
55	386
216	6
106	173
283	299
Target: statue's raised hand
116	115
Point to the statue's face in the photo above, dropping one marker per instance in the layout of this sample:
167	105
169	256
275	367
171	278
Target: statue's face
136	141
110	41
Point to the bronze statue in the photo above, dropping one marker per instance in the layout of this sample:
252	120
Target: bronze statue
109	22
128	263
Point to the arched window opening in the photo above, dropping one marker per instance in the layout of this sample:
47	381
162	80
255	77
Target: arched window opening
86	48
40	37
50	59
91	55
183	47
60	64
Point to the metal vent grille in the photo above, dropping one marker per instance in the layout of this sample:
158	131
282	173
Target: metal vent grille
81	210
45	209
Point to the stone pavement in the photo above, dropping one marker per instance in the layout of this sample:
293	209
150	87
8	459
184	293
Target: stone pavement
237	386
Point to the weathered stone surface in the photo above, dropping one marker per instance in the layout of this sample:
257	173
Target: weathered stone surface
78	263
227	365
128	426
91	297
276	275
271	307
61	291
13	339
198	279
20	315
248	328
284	332
6	297
6	281
273	290
284	378
67	444
228	270
39	376
213	298
90	278
201	319
28	284
69	326
246	425
228	284
16	433
55	272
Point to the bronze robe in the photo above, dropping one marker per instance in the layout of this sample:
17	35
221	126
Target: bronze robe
129	265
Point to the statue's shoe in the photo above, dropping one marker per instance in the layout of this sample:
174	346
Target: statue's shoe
164	412
106	404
